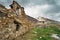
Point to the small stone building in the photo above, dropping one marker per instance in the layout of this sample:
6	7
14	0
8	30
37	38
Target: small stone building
43	20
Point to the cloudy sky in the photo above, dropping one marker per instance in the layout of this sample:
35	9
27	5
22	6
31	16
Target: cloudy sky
35	8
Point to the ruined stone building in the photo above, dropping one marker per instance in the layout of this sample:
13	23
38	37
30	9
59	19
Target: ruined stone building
14	22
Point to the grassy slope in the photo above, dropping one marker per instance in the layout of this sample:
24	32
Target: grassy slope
42	33
45	33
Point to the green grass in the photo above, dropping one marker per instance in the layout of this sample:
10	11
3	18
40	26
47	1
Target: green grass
44	33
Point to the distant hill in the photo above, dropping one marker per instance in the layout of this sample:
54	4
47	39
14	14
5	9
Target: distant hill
47	21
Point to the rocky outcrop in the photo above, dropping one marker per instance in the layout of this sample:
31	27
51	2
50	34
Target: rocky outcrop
12	24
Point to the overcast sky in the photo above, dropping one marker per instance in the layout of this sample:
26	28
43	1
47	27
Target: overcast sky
36	8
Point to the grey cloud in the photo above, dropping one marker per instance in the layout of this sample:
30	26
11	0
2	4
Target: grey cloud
26	2
40	2
53	9
50	12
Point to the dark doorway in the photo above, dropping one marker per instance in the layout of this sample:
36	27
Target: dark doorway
17	25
